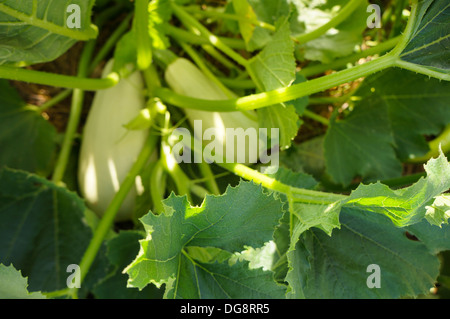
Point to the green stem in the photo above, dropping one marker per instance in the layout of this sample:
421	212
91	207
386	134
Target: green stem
301	195
316	117
222	15
220	58
74	117
210	179
340	63
297	194
157	186
55	100
238	84
108	218
404	40
57	80
277	96
422	70
90	33
192	23
326	100
340	17
191	38
143	45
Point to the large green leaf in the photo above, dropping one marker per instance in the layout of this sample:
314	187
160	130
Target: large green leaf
244	216
41	229
361	144
337	266
429	43
417	107
27	140
36	31
14	286
396	110
405	207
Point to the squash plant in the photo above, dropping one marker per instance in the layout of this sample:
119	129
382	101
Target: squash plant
357	205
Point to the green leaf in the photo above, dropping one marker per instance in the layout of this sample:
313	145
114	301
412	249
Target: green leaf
274	68
361	145
337	266
27	140
41	229
270	11
409	205
429	42
223	281
295	179
14	286
246	27
307	156
37	31
243	216
396	110
406	96
281	116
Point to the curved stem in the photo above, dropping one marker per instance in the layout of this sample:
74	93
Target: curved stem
277	96
340	63
295	193
340	17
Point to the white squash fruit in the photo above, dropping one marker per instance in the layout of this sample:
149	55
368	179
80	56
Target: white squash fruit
108	150
185	78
